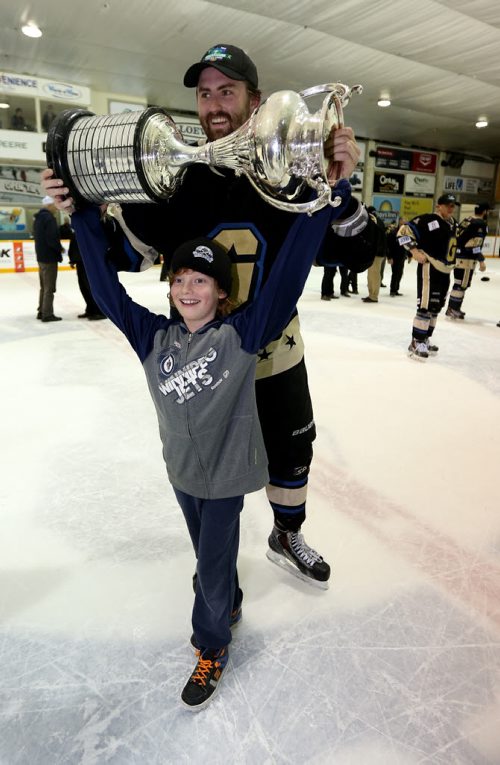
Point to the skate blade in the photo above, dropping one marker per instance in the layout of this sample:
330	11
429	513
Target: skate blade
285	564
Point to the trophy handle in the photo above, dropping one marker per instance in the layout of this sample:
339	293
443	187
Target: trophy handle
338	96
342	91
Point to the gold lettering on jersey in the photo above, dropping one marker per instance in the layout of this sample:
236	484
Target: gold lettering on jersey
476	241
452	246
246	246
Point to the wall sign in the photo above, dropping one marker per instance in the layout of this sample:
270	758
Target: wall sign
388	183
423	162
413	206
27	85
405	159
396	159
468	185
387	208
420	183
29	147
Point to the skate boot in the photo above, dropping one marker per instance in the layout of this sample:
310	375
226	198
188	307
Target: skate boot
289	550
204	682
431	349
418	351
451	313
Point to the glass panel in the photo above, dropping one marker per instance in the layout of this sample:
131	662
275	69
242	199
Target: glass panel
20	113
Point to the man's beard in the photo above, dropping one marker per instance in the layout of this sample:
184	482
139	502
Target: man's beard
220	131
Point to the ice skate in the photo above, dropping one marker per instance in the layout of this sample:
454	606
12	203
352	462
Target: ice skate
289	550
418	351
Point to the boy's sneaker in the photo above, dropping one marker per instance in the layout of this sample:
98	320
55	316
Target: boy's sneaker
453	314
234	620
432	349
289	550
203	683
418	351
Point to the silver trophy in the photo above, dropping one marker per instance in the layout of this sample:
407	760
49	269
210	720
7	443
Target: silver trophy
141	156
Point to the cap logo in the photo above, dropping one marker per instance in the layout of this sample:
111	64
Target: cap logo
217	54
204	252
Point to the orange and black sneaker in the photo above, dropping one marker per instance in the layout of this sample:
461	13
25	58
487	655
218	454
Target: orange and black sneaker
203	683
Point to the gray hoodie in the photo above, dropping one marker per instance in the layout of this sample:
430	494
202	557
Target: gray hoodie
203	383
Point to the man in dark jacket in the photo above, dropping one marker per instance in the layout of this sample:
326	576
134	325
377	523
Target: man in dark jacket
48	254
374	273
92	311
397	257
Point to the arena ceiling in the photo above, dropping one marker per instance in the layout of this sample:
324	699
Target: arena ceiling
438	60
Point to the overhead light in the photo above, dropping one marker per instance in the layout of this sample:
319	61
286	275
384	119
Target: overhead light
31	30
384	101
4	106
482	122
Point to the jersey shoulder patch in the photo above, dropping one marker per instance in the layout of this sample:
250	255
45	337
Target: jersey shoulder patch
404	240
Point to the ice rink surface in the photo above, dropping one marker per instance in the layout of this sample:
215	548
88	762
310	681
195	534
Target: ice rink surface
398	663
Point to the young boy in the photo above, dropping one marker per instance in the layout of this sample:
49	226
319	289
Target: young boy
200	371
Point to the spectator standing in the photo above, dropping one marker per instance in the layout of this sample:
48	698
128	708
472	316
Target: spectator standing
396	256
65	230
48	117
374	273
17	121
49	251
92	311
327	288
344	281
352	282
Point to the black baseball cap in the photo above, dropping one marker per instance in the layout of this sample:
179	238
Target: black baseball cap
207	257
447	199
228	59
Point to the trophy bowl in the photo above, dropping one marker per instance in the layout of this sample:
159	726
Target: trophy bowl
115	158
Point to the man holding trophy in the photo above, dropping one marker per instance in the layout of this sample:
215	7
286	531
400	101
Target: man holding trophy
226	197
